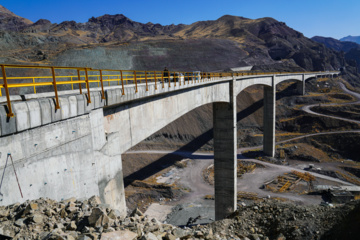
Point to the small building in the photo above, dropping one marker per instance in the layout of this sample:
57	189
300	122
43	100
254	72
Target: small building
240	69
341	196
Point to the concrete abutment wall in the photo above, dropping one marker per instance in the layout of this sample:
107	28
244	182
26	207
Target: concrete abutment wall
62	160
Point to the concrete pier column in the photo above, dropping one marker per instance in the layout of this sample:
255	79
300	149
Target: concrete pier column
269	121
301	86
225	156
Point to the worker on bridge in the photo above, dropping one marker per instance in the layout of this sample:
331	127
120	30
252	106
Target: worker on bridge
166	74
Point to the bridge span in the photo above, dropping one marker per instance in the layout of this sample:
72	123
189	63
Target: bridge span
70	144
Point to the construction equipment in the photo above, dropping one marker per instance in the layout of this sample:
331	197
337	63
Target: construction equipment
285	186
288	181
307	177
245	168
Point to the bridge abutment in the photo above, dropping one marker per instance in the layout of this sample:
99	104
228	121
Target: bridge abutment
269	120
225	156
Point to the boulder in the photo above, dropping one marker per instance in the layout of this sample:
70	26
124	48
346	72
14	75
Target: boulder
136	212
94	201
98	218
119	235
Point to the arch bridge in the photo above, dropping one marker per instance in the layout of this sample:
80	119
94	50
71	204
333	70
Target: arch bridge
67	141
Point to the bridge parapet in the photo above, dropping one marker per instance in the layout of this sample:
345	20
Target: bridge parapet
34	110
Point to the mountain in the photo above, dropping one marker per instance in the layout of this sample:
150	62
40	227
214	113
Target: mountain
10	21
349	38
350	50
115	41
335	44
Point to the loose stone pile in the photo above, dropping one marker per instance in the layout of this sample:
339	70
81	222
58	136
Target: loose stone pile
90	219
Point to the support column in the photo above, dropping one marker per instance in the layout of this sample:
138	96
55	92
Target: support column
269	120
301	86
225	156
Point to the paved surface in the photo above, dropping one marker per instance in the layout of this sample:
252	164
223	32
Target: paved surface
356	95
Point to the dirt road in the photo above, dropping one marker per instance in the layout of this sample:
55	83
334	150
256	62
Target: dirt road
307	108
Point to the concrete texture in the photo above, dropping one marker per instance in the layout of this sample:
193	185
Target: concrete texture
22	116
7	125
35	113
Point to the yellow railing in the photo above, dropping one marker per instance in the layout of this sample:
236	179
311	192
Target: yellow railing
27	76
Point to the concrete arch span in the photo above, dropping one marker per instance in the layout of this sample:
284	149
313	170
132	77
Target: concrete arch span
135	121
242	84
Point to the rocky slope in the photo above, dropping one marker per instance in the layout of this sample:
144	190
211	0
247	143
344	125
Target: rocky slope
72	219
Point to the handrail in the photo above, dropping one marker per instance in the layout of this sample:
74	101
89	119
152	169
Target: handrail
99	77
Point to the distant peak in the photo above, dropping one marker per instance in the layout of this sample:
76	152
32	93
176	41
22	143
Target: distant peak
108	16
42	22
231	17
5	13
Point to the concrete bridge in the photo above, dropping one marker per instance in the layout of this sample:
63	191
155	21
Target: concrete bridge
75	151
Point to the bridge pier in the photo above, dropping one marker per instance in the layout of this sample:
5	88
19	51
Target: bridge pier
269	121
225	156
301	86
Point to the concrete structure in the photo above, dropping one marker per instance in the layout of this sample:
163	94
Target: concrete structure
76	151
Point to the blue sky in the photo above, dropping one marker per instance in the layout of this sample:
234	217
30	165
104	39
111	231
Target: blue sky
328	18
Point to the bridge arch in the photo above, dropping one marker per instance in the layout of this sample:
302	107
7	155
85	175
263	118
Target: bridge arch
137	120
242	84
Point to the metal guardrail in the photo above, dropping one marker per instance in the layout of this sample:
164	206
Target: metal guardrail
86	78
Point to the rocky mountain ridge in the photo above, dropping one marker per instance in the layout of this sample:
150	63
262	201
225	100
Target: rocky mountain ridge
350	38
350	50
264	43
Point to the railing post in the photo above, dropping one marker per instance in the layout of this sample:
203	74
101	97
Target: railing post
87	84
55	88
122	82
10	113
174	80
136	88
72	85
162	79
169	79
102	85
34	84
155	80
146	81
79	79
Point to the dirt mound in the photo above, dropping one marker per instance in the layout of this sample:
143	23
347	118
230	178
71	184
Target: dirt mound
274	218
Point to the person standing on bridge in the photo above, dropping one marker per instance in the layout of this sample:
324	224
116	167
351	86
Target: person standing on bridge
166	74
